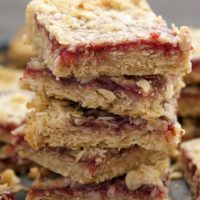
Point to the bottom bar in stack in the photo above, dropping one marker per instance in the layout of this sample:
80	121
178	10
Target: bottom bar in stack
92	164
143	183
190	158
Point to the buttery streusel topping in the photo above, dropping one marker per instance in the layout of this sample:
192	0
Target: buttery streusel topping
96	22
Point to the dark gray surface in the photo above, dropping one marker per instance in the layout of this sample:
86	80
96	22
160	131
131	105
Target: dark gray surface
179	190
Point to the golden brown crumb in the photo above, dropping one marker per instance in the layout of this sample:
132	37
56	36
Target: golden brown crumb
33	173
10	180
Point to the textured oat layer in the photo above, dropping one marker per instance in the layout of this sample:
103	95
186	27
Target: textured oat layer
194	76
103	37
189	102
91	165
145	96
148	183
61	123
191	126
190	157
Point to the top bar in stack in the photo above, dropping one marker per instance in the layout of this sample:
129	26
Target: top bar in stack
106	37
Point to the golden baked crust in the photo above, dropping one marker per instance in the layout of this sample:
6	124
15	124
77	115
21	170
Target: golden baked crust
118	189
144	96
53	121
91	165
103	37
190	158
189	96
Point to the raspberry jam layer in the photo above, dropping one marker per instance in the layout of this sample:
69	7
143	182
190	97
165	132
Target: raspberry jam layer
126	85
104	51
7	128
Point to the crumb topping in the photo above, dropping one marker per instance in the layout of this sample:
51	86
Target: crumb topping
96	22
147	175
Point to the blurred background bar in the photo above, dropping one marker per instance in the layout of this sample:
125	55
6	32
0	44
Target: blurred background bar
180	12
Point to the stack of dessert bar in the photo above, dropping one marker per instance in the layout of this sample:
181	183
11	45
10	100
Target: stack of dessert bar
189	103
12	115
106	83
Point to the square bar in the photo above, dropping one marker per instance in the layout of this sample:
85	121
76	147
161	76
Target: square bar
144	96
91	165
58	123
106	37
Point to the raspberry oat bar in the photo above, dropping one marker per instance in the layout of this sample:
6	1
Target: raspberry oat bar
142	183
106	37
58	123
144	96
91	165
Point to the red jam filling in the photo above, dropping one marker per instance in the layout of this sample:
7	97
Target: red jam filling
101	52
132	89
118	187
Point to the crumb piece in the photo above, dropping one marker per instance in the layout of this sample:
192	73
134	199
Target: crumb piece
9	178
107	94
144	85
144	175
34	173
